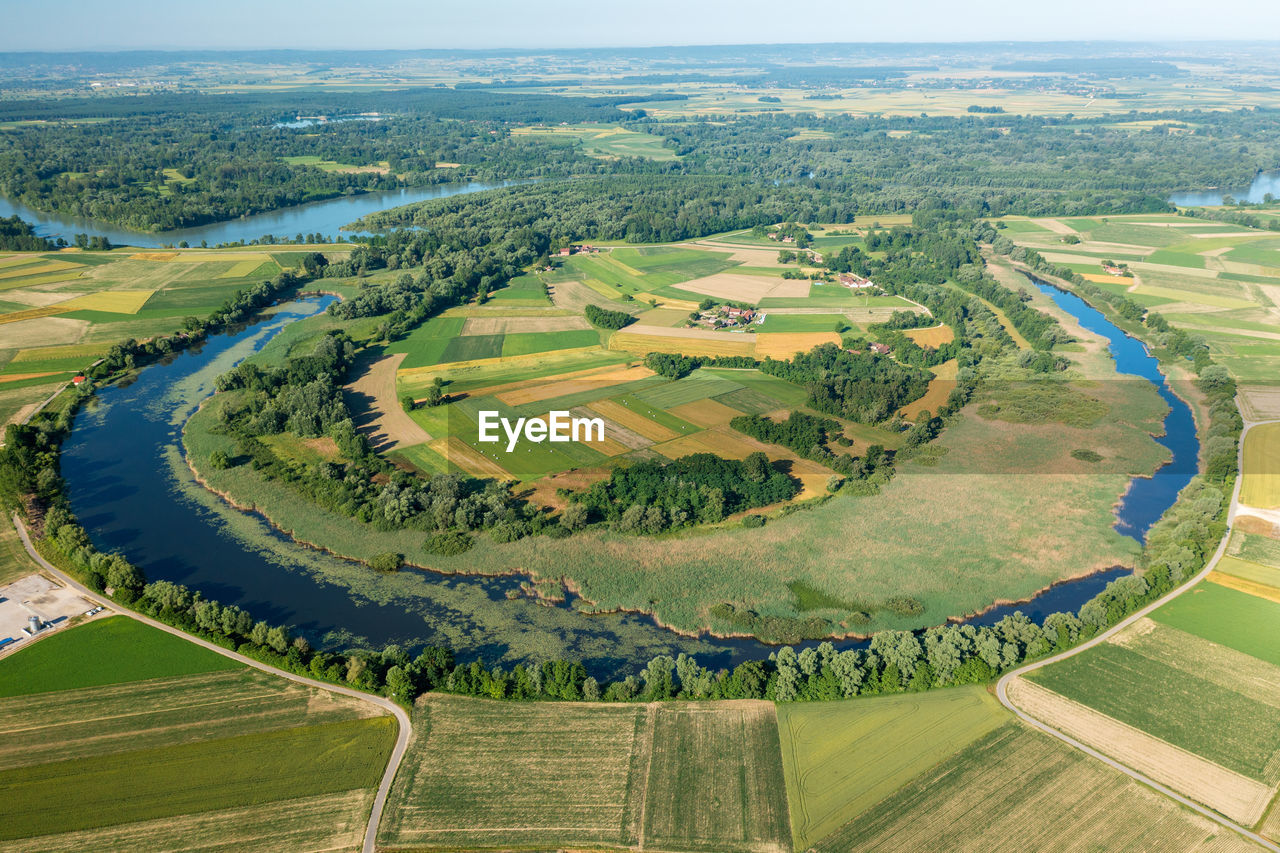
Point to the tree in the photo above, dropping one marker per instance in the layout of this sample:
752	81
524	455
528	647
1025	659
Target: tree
657	677
399	684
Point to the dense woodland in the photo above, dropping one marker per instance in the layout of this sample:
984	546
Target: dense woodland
165	161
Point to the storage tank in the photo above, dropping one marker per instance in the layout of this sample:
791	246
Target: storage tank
34	623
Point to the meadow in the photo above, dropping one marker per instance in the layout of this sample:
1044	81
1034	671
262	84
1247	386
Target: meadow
841	758
481	774
127	735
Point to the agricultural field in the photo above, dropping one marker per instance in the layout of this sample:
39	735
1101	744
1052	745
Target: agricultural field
1190	695
160	743
61	311
841	758
1017	789
679	777
608	142
523	355
1261	484
1219	281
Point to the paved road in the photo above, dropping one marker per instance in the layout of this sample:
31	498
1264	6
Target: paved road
402	717
1002	686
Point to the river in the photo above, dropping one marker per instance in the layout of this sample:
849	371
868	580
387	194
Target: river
1255	193
318	217
129	485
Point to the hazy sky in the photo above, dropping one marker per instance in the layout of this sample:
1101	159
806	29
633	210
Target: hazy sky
117	24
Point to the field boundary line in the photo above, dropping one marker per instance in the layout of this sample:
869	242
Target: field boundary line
651	720
1002	686
401	716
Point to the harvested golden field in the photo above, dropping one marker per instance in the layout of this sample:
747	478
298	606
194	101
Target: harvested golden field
1261	484
738	287
318	824
665	776
504	325
85	351
1260	590
715	779
784	345
1260	402
112	301
519	384
38	269
466	457
1236	796
18	377
153	256
705	413
643	340
601	380
935	336
1017	789
629	439
34	313
628	419
481	773
940	388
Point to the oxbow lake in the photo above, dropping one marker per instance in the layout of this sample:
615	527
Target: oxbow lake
132	491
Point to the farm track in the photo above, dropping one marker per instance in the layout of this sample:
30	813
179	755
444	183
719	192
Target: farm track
1002	686
402	717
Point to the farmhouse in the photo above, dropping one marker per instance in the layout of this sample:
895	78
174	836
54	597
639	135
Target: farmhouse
1112	270
854	282
566	252
880	349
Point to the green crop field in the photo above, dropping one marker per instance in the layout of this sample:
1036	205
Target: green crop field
524	290
841	758
105	651
482	774
526	343
1205	718
125	732
1233	619
187	778
1017	789
803	323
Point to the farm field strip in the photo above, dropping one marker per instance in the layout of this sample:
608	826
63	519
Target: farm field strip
1190	712
1018	789
679	776
1238	797
1260	484
317	824
841	758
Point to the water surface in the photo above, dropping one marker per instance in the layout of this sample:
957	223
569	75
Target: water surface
1255	193
129	485
318	217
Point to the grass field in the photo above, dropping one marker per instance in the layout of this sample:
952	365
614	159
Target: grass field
137	737
1261	484
104	651
841	758
1249	629
483	774
1016	789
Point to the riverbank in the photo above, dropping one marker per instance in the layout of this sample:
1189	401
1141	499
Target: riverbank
730	604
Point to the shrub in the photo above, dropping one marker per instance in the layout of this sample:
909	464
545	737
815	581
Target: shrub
753	520
387	562
1086	455
448	544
